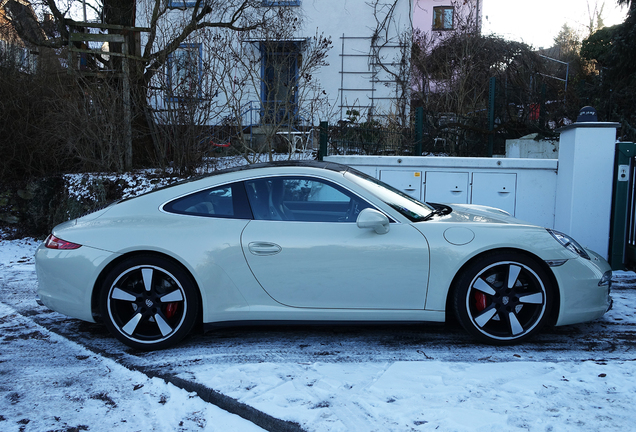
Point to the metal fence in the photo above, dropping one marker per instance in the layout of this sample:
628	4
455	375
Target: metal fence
512	111
359	140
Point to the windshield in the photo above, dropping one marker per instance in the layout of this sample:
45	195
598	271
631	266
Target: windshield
408	206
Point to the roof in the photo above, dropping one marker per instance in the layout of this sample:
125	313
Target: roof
332	166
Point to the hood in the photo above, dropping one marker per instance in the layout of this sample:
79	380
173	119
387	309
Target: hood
481	214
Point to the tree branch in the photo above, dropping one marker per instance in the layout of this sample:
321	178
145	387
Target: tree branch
157	59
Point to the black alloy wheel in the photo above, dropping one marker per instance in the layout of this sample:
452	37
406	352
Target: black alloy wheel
503	298
148	302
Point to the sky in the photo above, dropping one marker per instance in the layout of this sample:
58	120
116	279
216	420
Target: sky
537	22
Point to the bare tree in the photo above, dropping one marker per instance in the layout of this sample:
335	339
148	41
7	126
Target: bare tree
451	74
166	27
390	52
595	16
273	92
445	60
249	93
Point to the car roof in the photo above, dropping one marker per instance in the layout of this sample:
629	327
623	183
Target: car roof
289	163
332	166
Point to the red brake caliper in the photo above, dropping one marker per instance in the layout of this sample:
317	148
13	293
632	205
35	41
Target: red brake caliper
480	301
171	309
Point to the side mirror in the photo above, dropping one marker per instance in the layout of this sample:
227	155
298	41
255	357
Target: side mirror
371	218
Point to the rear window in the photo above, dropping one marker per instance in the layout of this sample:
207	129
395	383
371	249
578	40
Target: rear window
228	201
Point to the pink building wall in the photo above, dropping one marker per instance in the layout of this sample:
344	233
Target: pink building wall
465	10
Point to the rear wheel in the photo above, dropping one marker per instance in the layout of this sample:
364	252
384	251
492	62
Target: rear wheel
503	298
149	302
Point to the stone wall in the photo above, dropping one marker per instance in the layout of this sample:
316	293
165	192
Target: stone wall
34	207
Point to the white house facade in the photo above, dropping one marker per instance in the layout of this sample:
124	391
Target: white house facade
289	72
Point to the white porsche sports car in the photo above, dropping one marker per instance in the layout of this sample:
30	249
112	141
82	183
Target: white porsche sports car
311	242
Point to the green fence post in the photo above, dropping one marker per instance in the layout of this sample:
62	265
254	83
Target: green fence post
324	136
620	200
419	130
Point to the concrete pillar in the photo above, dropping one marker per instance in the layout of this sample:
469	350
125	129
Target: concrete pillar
584	184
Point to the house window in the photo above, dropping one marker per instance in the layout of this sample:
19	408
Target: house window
279	80
443	17
181	4
281	3
185	72
21	58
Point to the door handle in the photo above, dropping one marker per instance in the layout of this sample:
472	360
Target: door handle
264	248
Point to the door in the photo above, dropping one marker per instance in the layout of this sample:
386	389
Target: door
495	190
308	251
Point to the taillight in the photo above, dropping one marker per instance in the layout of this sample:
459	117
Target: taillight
53	242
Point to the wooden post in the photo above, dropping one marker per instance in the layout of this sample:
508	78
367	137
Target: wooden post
128	148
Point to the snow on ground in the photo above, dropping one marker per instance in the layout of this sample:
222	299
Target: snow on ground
431	395
50	383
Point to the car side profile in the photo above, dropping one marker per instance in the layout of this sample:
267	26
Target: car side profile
312	242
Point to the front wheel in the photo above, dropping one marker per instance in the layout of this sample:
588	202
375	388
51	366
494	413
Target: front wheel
503	298
149	302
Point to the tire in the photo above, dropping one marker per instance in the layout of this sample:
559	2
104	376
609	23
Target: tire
503	298
149	302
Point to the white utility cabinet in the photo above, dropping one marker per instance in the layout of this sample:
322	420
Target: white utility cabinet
525	188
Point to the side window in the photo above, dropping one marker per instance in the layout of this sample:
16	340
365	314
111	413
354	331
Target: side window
302	199
227	201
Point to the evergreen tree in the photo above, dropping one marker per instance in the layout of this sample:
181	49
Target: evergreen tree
614	86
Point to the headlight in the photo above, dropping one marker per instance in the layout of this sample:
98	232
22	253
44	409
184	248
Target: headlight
569	243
